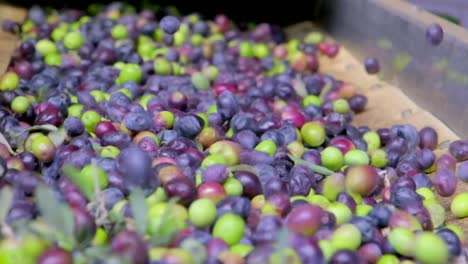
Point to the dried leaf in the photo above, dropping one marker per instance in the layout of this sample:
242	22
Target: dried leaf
6	196
4	141
56	214
46	127
58	136
139	210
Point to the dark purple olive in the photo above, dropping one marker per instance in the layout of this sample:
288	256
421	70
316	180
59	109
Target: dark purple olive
421	213
366	226
371	65
428	138
425	159
451	240
459	150
74	126
267	229
181	188
10	26
401	197
130	246
250	183
301	181
370	252
135	167
445	182
233	204
358	103
445	161
381	214
273	186
246	138
188	126
215	173
422	180
169	24
434	34
346	199
117	139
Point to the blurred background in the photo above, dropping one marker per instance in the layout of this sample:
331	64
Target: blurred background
455	11
240	10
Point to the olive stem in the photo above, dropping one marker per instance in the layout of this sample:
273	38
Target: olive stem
315	168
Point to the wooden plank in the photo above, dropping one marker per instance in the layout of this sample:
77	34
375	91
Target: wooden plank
7	40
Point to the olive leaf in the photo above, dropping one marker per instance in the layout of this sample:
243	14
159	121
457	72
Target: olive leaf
314	167
97	253
139	209
167	229
55	214
46	127
96	147
4	141
195	249
282	243
58	136
6	196
41	229
75	176
242	167
326	89
41	94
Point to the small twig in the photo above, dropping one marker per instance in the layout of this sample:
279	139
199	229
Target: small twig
7	231
242	167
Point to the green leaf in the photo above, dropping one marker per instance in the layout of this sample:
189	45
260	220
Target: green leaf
6	196
97	189
167	229
4	141
56	214
326	89
75	176
46	127
97	253
195	249
282	242
139	210
315	168
41	94
58	136
242	167
96	147
42	229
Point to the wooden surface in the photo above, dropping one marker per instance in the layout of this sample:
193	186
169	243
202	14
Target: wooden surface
387	104
7	40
